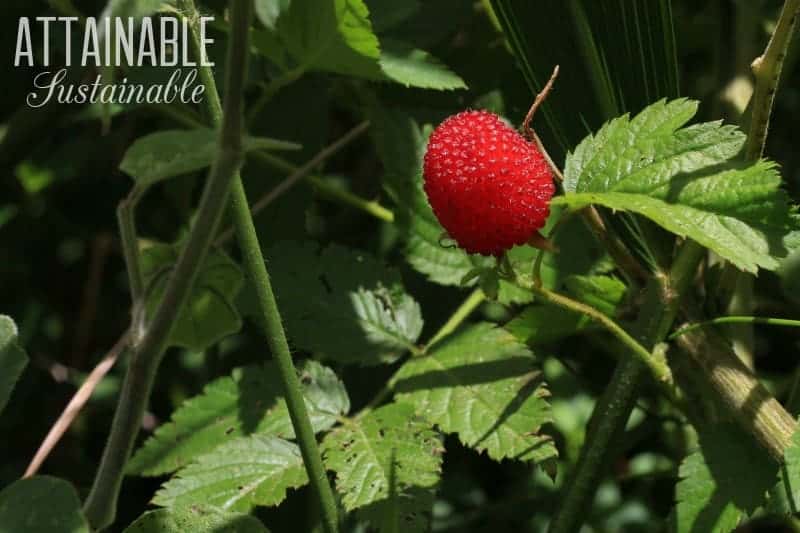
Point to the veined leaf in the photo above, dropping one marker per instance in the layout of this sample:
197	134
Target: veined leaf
197	519
170	153
41	504
13	359
712	494
387	463
413	67
682	180
343	304
250	401
240	474
209	315
481	384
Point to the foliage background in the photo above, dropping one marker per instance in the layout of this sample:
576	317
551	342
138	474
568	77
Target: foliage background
62	276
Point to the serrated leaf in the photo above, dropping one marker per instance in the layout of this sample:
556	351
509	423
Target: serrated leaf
197	519
209	314
413	67
682	180
251	401
170	153
331	35
722	483
13	359
481	384
237	476
343	304
41	504
388	464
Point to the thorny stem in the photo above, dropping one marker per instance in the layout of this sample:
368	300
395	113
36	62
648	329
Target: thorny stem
614	407
269	315
100	505
767	71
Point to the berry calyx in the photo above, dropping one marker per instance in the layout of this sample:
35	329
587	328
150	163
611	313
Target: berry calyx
489	187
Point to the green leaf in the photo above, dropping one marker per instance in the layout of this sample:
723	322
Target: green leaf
412	67
679	179
722	483
337	36
386	14
343	304
41	504
387	463
331	35
170	153
268	11
197	519
785	495
481	384
240	474
251	401
209	314
13	359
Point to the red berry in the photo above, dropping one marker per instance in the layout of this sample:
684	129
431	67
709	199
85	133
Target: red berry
488	186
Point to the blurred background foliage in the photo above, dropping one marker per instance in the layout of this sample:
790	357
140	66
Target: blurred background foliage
62	276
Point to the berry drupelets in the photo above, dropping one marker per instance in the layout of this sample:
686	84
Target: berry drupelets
488	186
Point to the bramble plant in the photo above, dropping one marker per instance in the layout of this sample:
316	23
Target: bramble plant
389	271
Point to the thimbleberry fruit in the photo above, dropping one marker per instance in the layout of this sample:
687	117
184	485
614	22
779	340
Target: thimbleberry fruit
488	186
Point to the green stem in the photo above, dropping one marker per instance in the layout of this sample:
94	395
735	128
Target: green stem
303	172
100	505
271	323
130	243
737	320
269	90
614	407
372	208
476	298
767	70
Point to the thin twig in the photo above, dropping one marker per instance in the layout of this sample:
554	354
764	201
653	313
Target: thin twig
299	174
526	124
75	405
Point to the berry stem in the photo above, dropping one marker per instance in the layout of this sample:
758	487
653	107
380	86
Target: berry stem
540	98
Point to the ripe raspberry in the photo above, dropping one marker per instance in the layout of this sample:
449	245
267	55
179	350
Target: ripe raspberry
487	185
